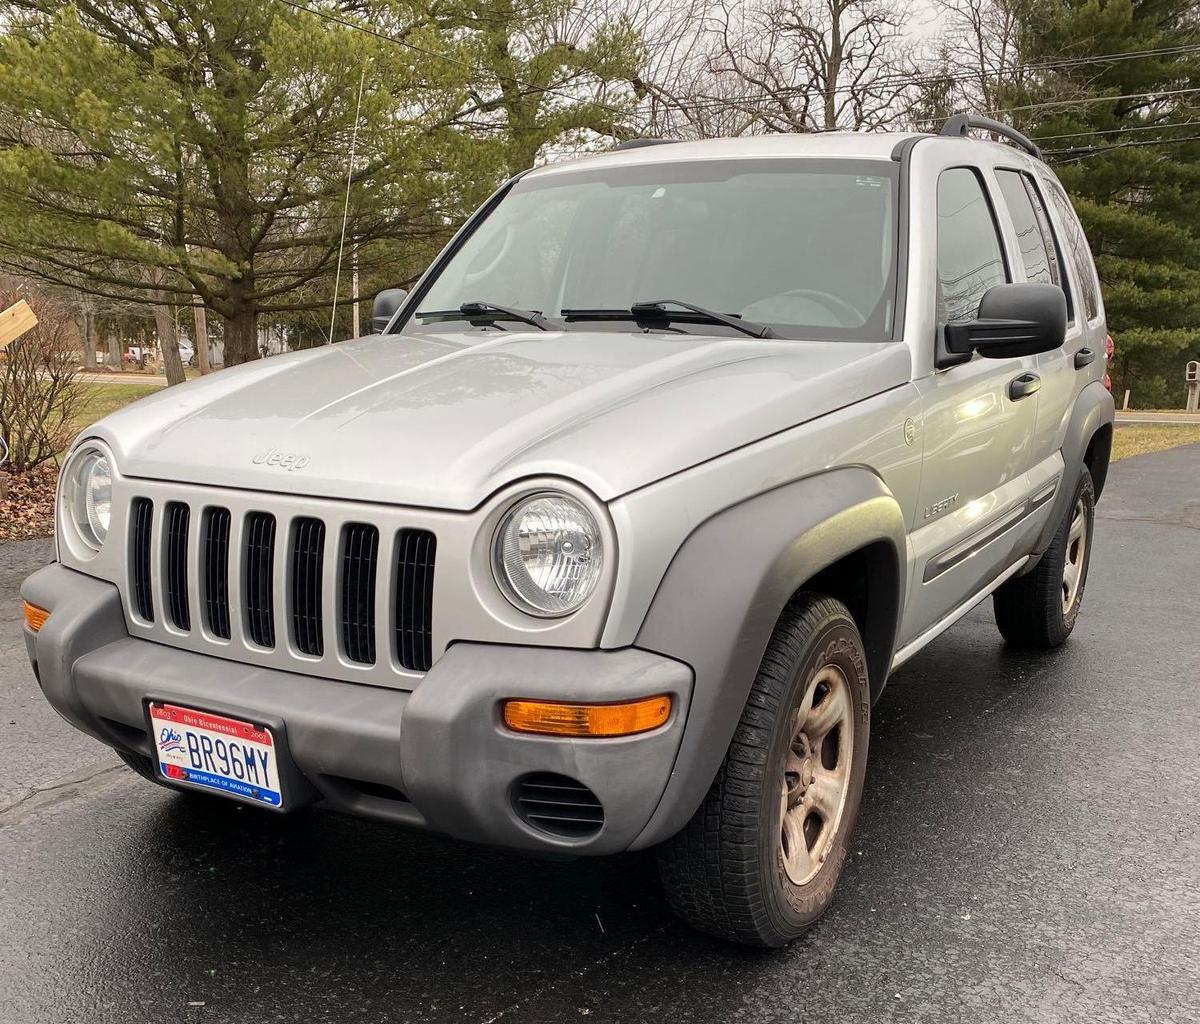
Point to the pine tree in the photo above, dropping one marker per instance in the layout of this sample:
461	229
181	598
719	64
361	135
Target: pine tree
1124	136
164	150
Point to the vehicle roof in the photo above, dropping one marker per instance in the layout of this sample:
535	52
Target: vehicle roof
845	145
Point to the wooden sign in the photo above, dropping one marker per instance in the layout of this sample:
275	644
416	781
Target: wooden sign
15	321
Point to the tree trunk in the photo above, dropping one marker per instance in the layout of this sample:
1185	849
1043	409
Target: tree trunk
89	334
833	66
241	337
201	316
168	339
114	352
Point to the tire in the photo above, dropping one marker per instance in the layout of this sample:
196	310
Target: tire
1037	611
736	871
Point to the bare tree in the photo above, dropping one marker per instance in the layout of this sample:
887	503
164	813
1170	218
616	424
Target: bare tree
790	66
979	53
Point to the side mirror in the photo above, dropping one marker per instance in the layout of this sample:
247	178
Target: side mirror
386	303
1014	320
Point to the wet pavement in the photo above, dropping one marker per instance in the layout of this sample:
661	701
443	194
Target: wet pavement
1029	850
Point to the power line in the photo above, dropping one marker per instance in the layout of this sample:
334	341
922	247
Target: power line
903	81
1158	126
1081	101
1084	152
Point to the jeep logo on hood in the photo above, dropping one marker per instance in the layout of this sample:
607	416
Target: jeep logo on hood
274	457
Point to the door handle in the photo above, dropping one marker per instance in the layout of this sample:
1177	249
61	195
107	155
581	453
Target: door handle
1023	386
1083	357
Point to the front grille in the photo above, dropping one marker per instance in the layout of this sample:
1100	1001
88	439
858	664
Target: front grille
360	557
285	587
259	578
216	570
142	519
558	805
308	553
415	553
176	542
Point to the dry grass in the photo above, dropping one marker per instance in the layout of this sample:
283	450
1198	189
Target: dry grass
1144	438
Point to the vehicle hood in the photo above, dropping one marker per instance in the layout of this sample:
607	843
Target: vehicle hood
442	420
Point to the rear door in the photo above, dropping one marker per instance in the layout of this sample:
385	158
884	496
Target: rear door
1066	371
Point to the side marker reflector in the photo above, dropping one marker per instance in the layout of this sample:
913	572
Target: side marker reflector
553	718
35	617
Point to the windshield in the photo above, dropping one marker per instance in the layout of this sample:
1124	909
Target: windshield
805	246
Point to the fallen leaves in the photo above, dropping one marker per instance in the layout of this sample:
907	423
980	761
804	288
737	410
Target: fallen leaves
28	511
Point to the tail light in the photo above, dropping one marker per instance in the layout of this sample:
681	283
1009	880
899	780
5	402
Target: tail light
1110	351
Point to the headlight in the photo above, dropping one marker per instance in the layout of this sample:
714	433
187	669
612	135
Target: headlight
548	554
86	502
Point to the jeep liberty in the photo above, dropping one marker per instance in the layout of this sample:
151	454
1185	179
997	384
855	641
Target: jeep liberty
610	537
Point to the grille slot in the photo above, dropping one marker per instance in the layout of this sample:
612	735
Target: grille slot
559	805
360	555
216	571
308	553
178	519
260	563
416	551
139	547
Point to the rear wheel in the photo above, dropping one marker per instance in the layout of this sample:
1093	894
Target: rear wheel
1038	610
140	764
759	861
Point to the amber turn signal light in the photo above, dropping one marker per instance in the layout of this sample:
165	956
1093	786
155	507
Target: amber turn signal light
35	617
552	718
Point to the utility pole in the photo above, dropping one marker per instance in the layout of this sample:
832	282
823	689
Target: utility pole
354	291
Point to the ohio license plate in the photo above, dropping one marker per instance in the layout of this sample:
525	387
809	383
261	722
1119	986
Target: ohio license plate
226	755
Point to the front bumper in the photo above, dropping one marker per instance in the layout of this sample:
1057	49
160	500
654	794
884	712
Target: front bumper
437	757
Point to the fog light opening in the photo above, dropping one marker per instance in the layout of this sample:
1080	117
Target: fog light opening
35	617
557	718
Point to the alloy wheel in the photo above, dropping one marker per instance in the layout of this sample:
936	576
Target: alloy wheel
1076	555
816	774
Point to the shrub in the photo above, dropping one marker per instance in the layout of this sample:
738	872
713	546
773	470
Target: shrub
40	387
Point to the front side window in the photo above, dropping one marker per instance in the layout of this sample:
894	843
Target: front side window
805	246
969	257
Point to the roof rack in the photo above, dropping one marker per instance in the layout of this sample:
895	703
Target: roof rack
642	143
959	124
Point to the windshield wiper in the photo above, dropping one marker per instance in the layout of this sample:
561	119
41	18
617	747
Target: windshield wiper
656	309
491	311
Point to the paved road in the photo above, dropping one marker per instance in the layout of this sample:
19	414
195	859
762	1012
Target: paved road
1029	851
1132	416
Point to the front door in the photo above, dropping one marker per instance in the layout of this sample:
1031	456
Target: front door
979	418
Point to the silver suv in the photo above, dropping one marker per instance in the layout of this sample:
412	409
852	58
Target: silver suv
610	539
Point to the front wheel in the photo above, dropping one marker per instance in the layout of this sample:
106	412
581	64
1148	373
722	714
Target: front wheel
759	861
1038	610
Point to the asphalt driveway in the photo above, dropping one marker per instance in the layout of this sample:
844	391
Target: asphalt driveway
1029	850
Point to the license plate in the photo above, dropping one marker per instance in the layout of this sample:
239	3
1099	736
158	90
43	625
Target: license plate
226	755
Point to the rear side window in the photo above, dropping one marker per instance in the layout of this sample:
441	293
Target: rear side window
1035	237
1077	248
969	257
1037	249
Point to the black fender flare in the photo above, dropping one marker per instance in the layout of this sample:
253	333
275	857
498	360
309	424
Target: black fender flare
729	582
1093	410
